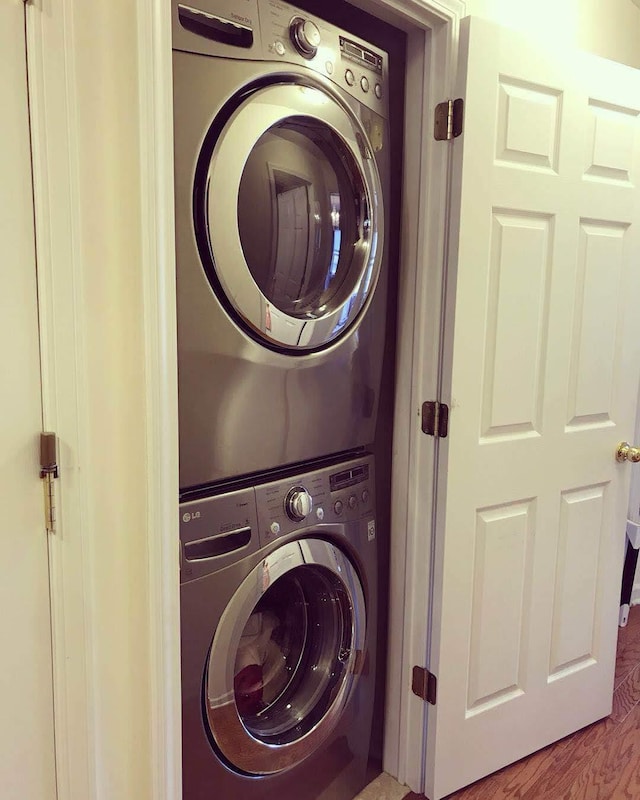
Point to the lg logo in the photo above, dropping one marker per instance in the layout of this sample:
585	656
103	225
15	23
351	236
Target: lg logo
189	515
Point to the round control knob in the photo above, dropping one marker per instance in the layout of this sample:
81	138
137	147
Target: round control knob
305	36
298	503
353	501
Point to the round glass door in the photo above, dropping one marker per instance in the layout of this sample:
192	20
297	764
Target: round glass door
284	657
292	216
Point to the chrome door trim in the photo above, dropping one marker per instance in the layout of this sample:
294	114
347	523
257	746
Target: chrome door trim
236	743
261	110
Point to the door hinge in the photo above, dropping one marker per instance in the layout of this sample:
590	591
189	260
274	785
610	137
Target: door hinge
435	419
48	473
447	123
424	684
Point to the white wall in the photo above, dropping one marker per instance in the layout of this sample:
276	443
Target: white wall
107	70
608	28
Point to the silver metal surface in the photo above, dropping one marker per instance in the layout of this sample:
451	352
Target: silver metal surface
324	724
260	388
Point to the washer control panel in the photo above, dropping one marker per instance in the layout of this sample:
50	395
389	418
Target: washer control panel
340	494
219	530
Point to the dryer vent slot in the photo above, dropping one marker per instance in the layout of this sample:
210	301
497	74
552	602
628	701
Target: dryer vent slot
217	545
218	29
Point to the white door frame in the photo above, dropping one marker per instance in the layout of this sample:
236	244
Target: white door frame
56	207
431	70
432	26
58	200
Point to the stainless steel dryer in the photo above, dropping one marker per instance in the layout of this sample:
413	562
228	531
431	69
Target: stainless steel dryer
278	621
280	176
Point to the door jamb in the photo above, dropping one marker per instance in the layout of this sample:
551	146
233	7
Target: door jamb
54	136
431	66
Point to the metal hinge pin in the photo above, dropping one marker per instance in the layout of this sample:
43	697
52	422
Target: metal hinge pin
447	123
435	419
48	473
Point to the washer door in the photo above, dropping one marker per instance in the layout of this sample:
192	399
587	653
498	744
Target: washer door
284	657
288	214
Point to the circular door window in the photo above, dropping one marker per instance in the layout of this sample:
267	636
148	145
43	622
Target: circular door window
284	657
292	216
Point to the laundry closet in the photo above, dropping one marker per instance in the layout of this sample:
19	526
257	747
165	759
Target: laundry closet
287	242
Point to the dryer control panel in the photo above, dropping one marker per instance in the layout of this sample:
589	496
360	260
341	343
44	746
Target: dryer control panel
274	31
358	68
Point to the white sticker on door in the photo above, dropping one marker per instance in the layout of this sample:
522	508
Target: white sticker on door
371	530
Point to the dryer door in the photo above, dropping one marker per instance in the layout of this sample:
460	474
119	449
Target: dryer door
284	658
288	214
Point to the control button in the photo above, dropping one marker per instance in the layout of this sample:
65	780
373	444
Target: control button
353	501
329	67
305	36
298	503
274	528
279	48
320	513
365	495
364	83
378	91
338	506
349	77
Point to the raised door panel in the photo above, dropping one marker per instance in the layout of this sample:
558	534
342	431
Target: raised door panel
501	598
520	265
596	328
576	600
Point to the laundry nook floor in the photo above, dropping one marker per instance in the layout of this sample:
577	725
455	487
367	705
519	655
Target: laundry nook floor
600	762
384	787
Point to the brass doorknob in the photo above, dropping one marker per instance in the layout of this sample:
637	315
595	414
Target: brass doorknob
625	452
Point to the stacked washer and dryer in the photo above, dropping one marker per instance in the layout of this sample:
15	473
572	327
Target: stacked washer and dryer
281	170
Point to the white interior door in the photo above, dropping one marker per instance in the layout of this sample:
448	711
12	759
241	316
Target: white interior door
544	382
27	767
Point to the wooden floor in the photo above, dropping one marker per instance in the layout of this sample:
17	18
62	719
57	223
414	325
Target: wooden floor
601	762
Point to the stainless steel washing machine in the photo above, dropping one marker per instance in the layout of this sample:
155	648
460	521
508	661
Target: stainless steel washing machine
281	169
278	616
